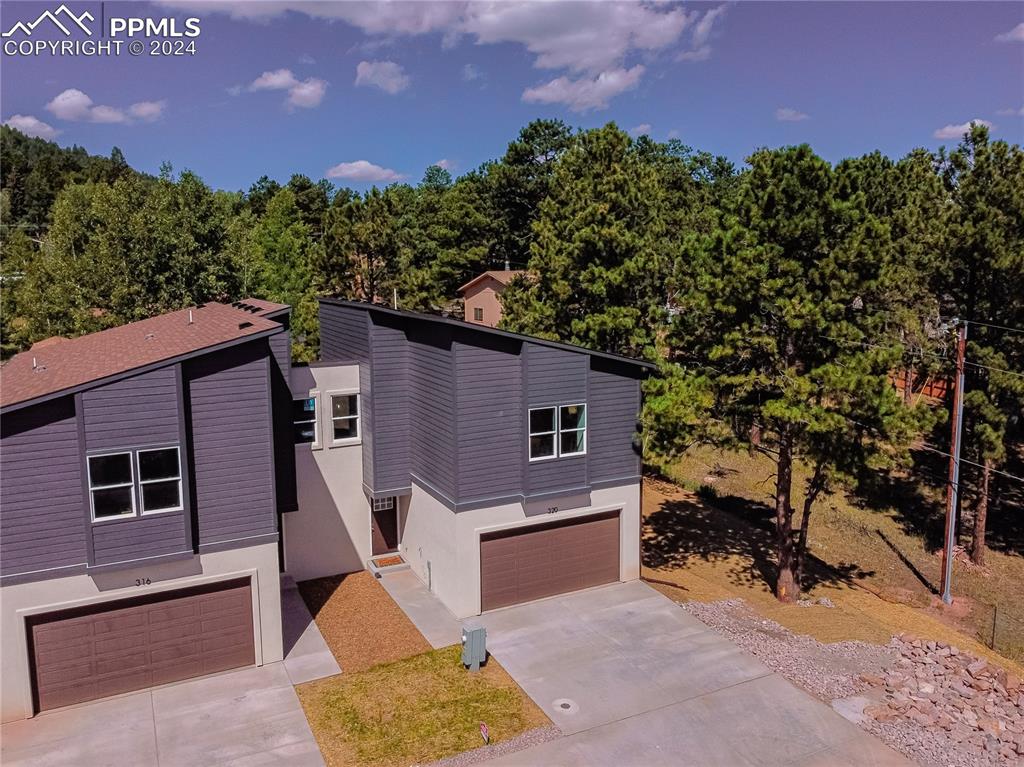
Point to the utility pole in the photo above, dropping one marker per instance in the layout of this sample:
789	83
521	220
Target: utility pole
952	490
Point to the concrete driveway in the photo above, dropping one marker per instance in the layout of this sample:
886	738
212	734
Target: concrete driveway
633	679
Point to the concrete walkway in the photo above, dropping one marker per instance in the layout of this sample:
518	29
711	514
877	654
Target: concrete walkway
428	614
632	679
306	654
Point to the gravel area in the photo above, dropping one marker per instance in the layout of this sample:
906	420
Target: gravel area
828	671
935	704
529	738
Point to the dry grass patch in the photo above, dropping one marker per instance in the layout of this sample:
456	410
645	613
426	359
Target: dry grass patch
415	710
360	621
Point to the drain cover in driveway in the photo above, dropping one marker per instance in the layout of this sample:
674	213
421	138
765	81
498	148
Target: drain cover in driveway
565	706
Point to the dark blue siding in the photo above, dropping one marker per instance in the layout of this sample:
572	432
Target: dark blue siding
432	406
42	515
491	438
345	337
133	412
232	446
392	372
284	452
614	404
141	538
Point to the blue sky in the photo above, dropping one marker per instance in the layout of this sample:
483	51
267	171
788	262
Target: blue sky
367	93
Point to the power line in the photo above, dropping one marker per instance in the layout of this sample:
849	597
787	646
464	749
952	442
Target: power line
995	370
930	448
993	325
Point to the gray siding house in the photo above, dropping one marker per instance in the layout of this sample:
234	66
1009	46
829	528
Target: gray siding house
500	467
157	478
140	504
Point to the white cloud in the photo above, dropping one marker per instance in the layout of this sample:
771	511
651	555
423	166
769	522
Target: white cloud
700	47
471	73
952	131
1015	35
444	163
70	104
591	41
585	93
790	115
386	75
363	170
75	106
673	134
32	126
148	110
306	59
1011	112
235	90
306	93
643	129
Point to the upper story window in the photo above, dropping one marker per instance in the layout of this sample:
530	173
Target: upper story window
558	432
160	479
478	314
111	485
344	418
121	483
304	420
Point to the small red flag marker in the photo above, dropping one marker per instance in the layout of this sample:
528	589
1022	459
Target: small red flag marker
485	733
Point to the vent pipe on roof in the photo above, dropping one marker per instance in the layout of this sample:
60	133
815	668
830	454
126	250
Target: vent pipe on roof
508	266
189	316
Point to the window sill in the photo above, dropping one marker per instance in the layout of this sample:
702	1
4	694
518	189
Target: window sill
347	442
158	512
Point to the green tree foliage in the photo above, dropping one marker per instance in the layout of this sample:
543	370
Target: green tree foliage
983	281
777	308
598	261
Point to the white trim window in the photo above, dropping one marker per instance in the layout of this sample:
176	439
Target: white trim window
304	421
558	432
543	430
160	480
383	504
572	430
344	418
111	485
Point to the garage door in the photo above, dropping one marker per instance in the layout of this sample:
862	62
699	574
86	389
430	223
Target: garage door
117	647
534	562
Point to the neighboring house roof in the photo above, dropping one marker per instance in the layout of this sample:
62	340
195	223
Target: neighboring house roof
476	328
504	276
74	363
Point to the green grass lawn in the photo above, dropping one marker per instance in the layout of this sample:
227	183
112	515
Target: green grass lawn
415	710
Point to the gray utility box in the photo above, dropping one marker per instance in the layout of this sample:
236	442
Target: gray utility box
474	646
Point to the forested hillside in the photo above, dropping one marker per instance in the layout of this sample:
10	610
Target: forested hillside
779	297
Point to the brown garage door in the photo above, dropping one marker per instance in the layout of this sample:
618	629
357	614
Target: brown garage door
117	647
534	562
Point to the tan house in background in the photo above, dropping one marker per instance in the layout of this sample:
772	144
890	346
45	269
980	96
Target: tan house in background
481	296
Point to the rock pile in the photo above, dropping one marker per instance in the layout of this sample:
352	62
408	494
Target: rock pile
977	706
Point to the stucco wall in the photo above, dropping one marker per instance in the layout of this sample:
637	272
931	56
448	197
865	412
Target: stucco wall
484	296
330	531
450	541
18	601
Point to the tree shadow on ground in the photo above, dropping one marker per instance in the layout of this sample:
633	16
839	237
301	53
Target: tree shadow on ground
683	529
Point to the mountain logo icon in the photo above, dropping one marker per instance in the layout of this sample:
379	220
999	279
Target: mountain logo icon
70	20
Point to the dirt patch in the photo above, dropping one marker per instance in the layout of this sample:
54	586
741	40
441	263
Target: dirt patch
360	621
418	710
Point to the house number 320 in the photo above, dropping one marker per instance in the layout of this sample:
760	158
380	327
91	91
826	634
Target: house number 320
552	509
142	581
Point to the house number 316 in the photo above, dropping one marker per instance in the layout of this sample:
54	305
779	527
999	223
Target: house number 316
142	581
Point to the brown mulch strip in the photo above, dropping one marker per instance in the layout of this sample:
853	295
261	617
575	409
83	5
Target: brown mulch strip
360	621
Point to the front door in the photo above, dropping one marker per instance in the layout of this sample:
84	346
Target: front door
384	525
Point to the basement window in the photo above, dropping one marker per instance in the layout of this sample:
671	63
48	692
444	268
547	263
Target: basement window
111	485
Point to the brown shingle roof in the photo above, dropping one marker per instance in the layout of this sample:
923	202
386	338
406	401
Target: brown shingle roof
75	362
503	276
